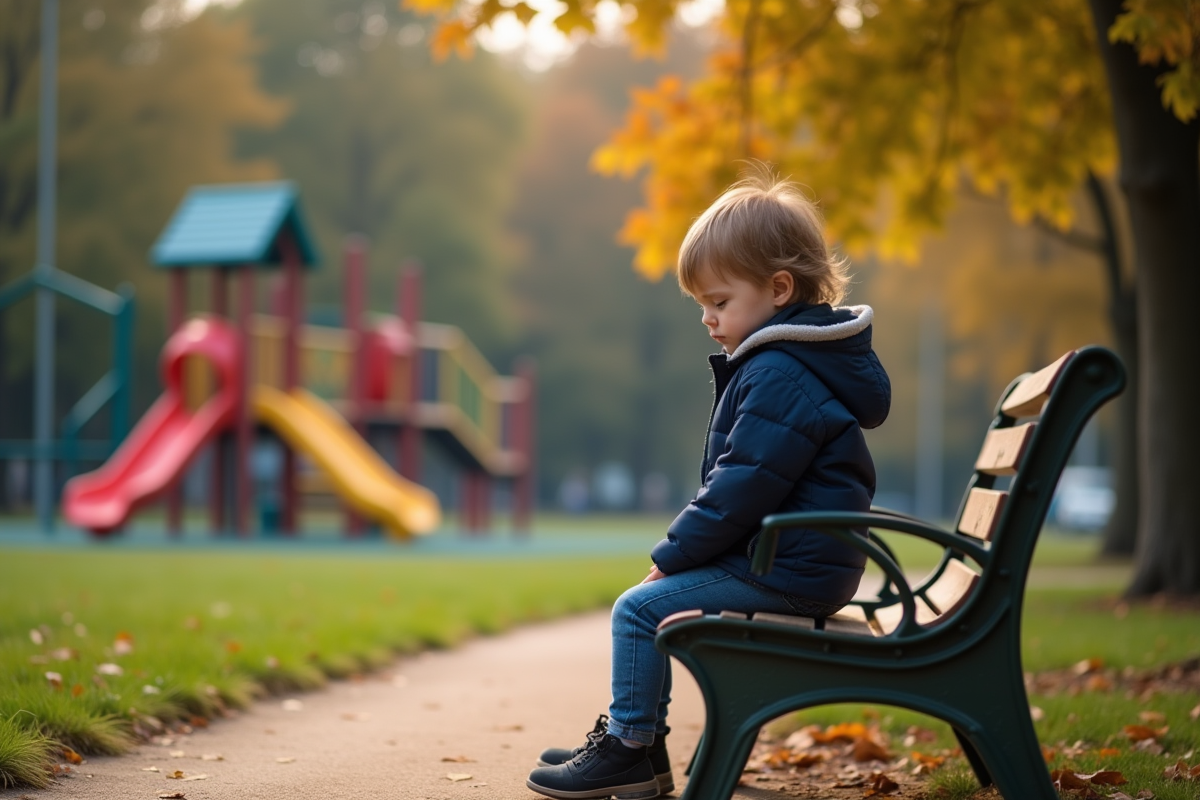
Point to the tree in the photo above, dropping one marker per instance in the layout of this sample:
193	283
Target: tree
149	101
888	106
1159	143
417	156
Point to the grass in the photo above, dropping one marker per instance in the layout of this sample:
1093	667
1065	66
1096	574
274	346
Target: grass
98	646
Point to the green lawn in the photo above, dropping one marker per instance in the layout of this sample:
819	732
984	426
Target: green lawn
92	642
128	634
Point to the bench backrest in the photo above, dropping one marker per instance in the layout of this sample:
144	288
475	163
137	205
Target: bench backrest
1038	419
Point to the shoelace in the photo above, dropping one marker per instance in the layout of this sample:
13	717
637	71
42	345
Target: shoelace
595	745
599	730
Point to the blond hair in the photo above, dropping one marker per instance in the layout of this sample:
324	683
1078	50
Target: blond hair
763	224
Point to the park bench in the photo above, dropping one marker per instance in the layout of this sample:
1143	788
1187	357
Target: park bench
949	646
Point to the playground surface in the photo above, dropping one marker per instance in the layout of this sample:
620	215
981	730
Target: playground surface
412	732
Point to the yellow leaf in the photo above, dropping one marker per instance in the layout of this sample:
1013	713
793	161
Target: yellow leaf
452	36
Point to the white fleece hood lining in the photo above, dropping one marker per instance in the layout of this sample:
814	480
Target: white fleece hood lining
809	333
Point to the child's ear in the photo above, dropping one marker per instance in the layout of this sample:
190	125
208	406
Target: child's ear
783	285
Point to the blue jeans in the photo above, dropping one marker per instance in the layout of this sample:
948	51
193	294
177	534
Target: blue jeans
641	675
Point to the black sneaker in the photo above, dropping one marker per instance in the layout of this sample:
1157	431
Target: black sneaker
603	768
660	761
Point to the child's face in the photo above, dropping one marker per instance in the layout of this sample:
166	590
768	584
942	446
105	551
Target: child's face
734	308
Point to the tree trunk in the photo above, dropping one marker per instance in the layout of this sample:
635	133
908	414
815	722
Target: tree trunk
1160	175
1120	534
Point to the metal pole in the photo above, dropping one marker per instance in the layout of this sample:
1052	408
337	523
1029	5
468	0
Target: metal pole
931	373
43	391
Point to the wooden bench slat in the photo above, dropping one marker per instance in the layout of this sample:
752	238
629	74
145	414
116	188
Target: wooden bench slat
1003	449
982	512
888	617
1030	394
951	590
852	619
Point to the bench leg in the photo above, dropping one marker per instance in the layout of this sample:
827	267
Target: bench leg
719	758
1008	750
973	758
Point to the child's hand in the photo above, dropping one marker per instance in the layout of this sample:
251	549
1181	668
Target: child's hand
655	574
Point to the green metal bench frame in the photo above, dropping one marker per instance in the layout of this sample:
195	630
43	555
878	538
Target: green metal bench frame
965	669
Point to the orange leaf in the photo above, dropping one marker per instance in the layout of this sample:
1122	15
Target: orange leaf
868	750
77	690
1087	665
233	647
841	732
71	756
1137	733
1108	752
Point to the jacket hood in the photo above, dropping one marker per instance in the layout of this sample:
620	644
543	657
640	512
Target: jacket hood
835	344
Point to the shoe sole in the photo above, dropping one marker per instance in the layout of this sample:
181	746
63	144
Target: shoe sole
630	791
666	780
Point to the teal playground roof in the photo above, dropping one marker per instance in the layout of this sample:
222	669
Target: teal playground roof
235	223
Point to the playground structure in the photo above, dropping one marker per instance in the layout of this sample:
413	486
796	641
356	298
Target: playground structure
325	392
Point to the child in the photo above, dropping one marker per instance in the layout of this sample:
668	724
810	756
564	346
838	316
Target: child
795	384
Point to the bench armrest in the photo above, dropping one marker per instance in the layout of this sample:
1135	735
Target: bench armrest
830	522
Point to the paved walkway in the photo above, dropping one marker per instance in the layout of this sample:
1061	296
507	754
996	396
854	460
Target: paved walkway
493	703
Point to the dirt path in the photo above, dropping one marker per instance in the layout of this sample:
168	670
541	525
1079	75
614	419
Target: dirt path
495	702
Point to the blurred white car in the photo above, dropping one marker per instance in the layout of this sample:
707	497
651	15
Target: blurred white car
1084	499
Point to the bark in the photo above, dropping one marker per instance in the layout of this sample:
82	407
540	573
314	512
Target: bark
1120	534
1160	176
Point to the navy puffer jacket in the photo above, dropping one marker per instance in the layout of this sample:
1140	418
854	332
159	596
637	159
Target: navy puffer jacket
786	435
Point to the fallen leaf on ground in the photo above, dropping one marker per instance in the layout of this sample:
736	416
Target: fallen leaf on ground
171	796
1105	777
1151	717
54	679
177	775
1108	752
1036	714
200	777
869	750
109	669
1195	713
881	784
843	731
1180	771
458	759
285	759
123	644
150	769
212	757
1087	665
926	763
71	756
1138	733
458	776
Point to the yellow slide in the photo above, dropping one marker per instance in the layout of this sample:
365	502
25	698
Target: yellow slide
363	479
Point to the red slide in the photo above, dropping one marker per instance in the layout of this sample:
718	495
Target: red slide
166	439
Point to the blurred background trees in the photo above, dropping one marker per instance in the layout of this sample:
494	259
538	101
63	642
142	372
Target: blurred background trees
962	152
